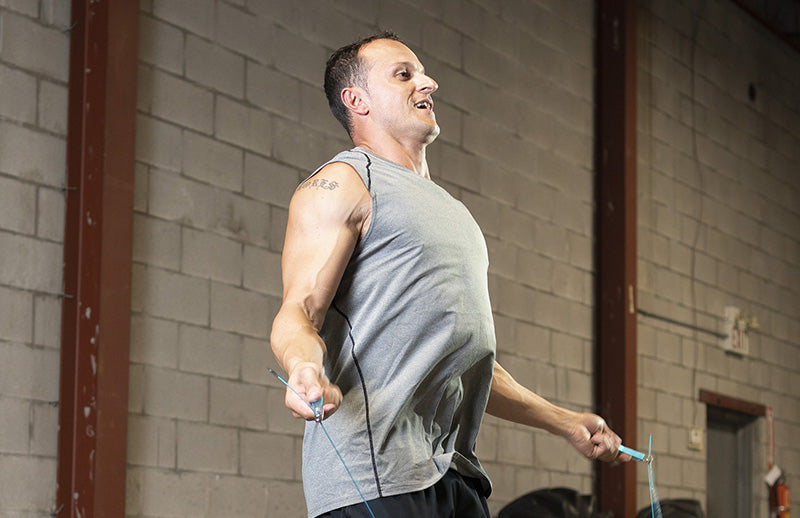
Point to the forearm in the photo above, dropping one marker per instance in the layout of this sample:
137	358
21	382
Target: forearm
587	432
511	401
300	351
294	339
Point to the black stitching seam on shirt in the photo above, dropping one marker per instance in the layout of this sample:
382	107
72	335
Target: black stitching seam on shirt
366	399
369	173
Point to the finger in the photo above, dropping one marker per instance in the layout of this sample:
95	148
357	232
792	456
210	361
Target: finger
612	442
333	399
297	405
307	378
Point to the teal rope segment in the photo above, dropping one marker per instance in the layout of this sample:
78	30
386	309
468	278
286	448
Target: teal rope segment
348	470
655	507
316	407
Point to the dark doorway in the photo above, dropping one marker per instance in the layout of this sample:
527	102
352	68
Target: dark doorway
729	462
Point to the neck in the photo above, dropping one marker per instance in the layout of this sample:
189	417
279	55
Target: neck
411	156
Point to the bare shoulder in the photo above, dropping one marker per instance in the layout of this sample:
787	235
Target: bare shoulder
335	194
336	176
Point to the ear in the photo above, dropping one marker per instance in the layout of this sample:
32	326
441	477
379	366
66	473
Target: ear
354	99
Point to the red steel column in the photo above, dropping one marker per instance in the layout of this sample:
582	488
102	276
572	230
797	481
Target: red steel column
95	327
616	237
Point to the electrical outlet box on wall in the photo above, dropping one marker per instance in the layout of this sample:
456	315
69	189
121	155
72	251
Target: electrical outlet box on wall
695	438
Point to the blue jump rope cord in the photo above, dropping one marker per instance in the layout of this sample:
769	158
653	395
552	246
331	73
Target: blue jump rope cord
655	507
319	415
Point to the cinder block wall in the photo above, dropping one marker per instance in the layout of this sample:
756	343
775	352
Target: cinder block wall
719	225
34	48
232	117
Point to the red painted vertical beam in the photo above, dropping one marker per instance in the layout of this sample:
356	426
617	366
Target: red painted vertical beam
95	330
616	354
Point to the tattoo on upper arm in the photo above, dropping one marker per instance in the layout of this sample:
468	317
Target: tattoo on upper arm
319	183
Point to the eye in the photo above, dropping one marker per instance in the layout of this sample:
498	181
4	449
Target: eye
404	74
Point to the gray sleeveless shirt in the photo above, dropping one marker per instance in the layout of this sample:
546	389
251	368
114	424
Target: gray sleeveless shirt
411	344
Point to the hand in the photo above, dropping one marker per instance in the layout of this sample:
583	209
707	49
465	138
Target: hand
309	381
591	436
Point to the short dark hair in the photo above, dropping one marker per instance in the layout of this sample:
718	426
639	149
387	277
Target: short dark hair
344	68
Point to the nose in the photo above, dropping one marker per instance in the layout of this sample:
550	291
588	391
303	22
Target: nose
427	85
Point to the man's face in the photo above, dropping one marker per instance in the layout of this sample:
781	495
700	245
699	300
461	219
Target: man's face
398	91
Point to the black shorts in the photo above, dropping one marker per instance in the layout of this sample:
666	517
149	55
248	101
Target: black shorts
454	496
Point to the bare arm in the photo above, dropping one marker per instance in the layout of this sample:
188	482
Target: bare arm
588	433
327	216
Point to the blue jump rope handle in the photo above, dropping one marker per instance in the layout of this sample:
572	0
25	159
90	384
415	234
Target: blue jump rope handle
316	407
633	453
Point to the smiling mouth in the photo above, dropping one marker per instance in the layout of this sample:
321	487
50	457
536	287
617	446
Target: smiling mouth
424	105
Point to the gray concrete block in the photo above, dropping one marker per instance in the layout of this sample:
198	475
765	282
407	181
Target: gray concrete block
273	90
208	351
242	126
51	206
237	496
154	341
256	359
269	181
173	394
44	429
176	198
35	47
32	155
241	405
298	57
19	205
262	271
171	295
285	498
211	256
35	265
156	242
303	147
46	320
181	102
151	441
158	487
14	425
28	483
243	33
213	66
158	143
241	311
194	16
17	95
161	44
35	373
515	445
315	112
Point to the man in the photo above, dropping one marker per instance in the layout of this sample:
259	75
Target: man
386	312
